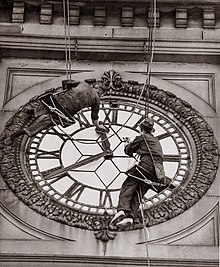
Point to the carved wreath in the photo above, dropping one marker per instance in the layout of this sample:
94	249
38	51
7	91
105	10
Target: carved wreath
177	203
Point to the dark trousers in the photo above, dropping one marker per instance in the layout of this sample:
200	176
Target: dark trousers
133	190
129	201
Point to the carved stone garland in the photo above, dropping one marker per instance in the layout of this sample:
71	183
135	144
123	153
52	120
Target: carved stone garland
177	203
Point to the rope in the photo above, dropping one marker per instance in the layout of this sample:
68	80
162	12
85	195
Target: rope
65	38
66	10
146	232
69	44
151	45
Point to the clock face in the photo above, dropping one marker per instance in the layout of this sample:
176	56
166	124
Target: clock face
68	164
73	175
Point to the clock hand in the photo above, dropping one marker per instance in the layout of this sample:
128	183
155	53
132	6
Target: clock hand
78	164
106	145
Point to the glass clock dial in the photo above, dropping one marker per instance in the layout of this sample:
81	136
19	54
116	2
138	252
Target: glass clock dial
71	165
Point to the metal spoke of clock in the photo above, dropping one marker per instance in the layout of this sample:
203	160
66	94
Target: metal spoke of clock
78	164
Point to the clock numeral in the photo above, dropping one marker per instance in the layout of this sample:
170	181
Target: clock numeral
75	191
114	105
172	158
105	198
107	114
43	154
163	136
82	120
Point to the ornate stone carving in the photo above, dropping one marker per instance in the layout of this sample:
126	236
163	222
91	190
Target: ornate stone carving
180	200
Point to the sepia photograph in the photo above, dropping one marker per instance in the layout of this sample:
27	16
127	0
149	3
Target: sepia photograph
109	133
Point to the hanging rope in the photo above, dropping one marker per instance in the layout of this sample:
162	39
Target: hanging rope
65	36
69	41
146	232
150	54
66	17
151	46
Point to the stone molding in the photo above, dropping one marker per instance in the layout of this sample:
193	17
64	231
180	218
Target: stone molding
87	48
127	13
208	79
77	260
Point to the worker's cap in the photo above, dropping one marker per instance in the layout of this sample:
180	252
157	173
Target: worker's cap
68	84
147	125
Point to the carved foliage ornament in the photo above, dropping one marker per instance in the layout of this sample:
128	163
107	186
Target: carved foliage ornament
195	183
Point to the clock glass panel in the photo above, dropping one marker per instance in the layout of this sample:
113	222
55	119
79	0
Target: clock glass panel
69	166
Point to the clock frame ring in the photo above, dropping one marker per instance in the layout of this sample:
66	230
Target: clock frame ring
201	135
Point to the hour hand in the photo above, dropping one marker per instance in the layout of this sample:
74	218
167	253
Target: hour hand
57	171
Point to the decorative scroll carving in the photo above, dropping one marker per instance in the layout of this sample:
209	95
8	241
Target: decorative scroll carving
112	80
181	198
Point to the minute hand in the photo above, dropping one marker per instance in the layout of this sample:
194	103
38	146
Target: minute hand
75	165
105	142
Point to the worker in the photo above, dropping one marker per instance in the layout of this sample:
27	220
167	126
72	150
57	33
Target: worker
149	168
73	97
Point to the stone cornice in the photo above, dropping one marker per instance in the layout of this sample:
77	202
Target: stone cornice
125	13
98	44
62	253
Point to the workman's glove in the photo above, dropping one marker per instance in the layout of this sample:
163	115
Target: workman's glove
127	140
100	128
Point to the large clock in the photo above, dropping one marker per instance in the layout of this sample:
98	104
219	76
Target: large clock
73	174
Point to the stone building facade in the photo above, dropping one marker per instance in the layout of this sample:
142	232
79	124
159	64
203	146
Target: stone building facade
107	43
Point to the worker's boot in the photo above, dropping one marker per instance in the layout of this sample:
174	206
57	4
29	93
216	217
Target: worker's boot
119	215
125	222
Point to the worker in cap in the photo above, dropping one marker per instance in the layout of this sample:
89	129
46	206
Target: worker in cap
72	97
150	151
